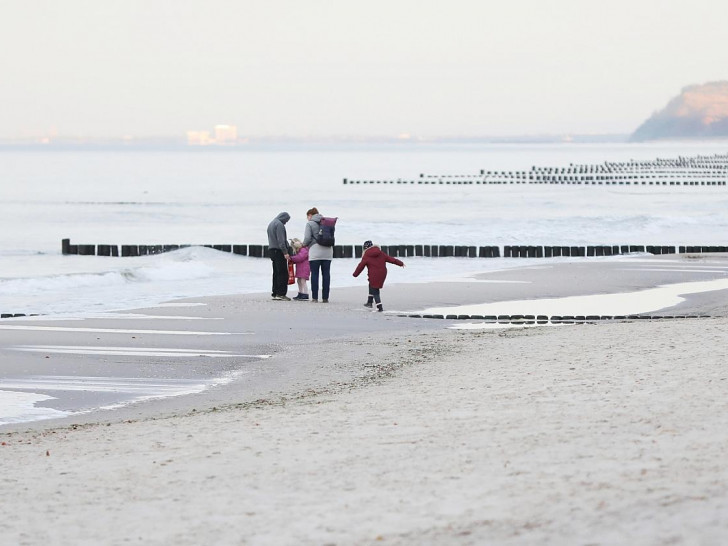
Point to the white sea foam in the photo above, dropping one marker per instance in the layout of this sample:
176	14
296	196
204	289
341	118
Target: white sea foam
55	283
188	273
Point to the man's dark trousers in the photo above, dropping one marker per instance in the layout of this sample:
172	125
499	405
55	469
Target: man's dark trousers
280	272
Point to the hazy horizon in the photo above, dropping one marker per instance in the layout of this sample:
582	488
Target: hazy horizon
377	69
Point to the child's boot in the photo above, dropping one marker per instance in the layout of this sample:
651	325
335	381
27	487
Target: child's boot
369	302
380	308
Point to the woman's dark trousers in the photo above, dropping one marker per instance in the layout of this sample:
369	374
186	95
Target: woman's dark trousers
325	266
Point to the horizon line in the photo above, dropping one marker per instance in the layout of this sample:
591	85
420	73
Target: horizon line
178	141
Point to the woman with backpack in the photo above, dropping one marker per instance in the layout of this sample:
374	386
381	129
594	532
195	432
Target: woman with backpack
319	255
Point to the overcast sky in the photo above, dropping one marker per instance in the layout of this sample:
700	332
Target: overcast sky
340	67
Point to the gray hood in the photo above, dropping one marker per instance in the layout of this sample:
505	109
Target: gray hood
277	237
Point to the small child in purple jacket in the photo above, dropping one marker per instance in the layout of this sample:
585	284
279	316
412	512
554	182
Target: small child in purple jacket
303	269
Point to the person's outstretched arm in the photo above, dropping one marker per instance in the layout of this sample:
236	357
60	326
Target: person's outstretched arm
394	261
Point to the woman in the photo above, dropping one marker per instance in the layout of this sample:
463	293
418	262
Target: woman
319	257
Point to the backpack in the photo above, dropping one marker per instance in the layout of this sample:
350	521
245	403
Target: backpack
325	234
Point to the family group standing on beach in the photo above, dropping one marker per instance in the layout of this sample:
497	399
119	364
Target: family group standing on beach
312	257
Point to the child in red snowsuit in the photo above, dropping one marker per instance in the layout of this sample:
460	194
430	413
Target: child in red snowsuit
376	263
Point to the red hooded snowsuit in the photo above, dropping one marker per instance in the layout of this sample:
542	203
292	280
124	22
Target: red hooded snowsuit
376	263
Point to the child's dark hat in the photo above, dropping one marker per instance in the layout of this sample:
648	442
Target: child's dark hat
367	244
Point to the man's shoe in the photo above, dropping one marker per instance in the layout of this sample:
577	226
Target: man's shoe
284	298
324	301
276	297
314	300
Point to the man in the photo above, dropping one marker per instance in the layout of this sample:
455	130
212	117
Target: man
279	255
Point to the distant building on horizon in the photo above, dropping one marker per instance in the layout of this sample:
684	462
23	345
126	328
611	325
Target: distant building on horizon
199	138
224	135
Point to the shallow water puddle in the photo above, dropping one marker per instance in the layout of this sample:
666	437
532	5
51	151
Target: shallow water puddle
627	303
128	351
119	330
20	398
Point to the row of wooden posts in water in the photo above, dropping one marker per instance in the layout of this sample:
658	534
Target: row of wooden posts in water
552	319
404	251
682	171
518	178
508	319
511	319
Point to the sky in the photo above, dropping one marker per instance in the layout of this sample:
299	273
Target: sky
300	68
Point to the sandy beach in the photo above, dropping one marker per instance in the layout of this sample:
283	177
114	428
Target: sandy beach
405	431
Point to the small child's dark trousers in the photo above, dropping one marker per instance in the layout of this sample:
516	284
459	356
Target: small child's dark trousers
374	294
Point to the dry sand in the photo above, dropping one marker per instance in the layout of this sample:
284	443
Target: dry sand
585	434
609	434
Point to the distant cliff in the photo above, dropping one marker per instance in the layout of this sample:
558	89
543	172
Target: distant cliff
700	111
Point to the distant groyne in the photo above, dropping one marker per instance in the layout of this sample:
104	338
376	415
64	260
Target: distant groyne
681	171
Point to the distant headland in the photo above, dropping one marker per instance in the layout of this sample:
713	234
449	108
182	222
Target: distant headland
698	112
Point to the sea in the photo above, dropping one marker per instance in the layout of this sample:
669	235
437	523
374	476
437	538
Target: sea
209	196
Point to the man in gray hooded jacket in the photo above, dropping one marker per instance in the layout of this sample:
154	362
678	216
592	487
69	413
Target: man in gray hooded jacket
279	255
